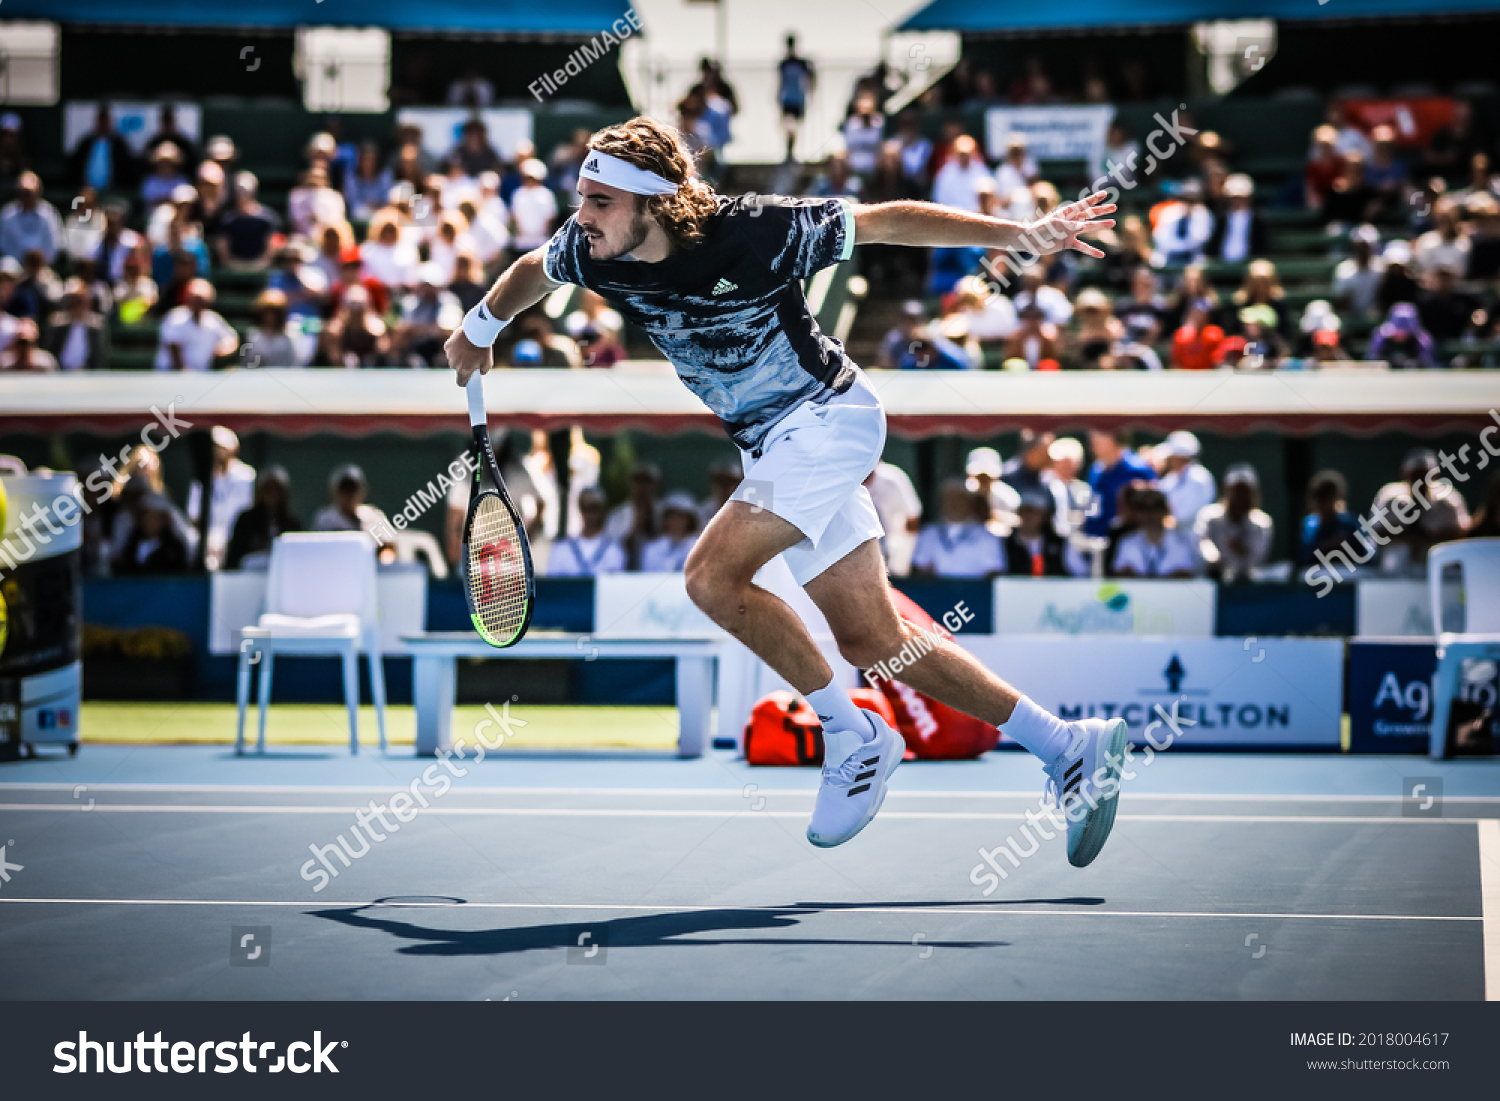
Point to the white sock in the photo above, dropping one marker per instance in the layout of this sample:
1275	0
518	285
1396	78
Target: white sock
845	727
1040	732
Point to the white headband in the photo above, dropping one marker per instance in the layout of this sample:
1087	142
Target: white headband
613	172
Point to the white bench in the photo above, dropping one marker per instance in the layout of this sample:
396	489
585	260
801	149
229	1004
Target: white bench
434	675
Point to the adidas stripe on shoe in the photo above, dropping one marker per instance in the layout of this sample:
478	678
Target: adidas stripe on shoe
852	792
1084	782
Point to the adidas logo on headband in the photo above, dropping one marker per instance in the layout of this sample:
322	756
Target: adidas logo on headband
616	172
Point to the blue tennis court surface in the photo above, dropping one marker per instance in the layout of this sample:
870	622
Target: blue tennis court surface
140	872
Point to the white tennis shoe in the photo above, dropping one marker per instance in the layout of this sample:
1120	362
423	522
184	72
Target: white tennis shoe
1085	784
850	793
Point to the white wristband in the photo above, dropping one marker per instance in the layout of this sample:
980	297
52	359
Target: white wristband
481	326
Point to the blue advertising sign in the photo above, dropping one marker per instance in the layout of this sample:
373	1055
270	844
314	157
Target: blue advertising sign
1390	694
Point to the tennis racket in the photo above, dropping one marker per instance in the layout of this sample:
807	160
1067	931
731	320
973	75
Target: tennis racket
501	589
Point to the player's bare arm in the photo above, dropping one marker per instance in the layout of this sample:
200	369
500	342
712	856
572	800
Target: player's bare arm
520	286
908	222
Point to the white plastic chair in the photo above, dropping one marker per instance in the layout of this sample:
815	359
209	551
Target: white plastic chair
321	599
1479	560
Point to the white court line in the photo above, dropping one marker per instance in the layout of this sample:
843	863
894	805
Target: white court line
733	812
853	908
1489	895
270	789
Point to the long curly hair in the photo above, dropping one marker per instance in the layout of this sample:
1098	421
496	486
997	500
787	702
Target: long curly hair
658	148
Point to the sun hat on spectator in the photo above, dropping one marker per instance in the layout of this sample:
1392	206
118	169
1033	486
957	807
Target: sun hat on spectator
1403	318
679	502
1037	499
1366	233
224	437
220	148
432	274
1239	185
350	255
1397	252
1319	314
1241	474
534	169
983	460
1091	298
347	474
1182	444
184	193
167	151
270	299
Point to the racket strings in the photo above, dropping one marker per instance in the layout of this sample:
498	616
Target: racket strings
497	570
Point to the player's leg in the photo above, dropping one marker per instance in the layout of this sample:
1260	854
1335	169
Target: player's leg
854	595
738	541
1082	759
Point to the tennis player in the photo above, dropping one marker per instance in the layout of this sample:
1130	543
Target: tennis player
715	282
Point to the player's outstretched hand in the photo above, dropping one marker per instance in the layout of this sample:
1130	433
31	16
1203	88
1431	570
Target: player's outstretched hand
466	358
1060	229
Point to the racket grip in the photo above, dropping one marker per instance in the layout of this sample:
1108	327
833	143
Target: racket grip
475	390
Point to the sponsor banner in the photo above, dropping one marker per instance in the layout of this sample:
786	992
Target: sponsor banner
648	605
1414	118
506	127
1238	692
137	123
1392	607
1085	606
1051	133
1390	695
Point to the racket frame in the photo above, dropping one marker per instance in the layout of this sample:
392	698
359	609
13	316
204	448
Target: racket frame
485	462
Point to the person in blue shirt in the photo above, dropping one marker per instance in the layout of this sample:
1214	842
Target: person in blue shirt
1115	466
1328	524
794	79
929	350
102	159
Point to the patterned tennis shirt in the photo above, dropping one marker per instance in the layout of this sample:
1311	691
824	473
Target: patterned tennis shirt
729	313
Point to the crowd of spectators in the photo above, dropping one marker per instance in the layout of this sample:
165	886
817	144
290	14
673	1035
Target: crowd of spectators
377	252
371	261
1412	241
1410	270
1158	512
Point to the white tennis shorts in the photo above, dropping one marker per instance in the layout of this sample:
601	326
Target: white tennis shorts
811	472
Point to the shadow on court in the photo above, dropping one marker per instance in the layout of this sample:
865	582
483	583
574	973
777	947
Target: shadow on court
657	930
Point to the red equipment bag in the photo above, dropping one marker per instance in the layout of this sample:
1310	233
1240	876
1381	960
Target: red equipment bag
933	730
784	730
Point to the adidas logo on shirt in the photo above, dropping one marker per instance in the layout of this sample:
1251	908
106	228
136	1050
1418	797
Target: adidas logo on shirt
724	286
